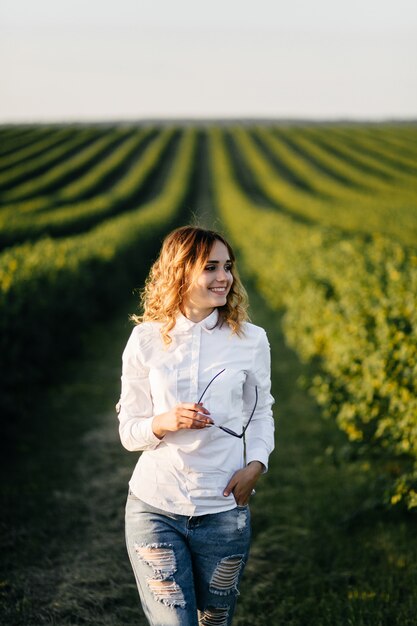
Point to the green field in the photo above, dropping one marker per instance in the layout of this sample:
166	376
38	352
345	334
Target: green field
324	220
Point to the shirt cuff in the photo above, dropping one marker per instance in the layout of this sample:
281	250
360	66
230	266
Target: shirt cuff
147	433
258	455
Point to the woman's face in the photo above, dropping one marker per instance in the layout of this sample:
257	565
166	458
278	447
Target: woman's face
212	285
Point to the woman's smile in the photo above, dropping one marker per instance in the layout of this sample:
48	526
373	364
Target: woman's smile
219	290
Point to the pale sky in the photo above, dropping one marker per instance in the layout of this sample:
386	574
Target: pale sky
67	60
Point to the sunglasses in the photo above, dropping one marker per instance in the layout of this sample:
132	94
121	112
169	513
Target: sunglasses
228	430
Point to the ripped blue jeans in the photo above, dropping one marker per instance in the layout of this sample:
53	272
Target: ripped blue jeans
187	569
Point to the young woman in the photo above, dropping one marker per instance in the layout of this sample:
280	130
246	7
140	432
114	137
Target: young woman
196	400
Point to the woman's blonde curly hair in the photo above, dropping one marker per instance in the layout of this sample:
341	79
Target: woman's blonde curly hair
184	254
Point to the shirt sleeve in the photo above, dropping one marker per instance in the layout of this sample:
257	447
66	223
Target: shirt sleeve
135	407
259	435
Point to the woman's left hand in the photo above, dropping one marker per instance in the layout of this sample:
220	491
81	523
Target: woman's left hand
243	481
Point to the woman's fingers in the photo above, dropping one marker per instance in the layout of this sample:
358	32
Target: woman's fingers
198	420
195	406
198	415
241	485
183	415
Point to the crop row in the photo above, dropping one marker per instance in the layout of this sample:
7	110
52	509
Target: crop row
36	166
350	305
391	212
331	165
66	170
16	138
50	289
334	152
94	179
360	157
19	153
359	152
393	140
81	215
326	173
395	158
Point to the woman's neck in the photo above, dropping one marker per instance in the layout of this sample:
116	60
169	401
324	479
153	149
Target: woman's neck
195	314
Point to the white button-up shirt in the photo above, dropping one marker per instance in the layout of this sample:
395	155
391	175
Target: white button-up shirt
187	471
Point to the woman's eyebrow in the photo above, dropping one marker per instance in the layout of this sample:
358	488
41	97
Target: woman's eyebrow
227	261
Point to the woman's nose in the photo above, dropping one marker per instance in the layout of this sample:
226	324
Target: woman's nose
221	275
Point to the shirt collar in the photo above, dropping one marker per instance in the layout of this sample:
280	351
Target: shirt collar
208	323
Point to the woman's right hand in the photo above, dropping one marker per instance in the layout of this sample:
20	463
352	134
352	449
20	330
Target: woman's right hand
183	415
